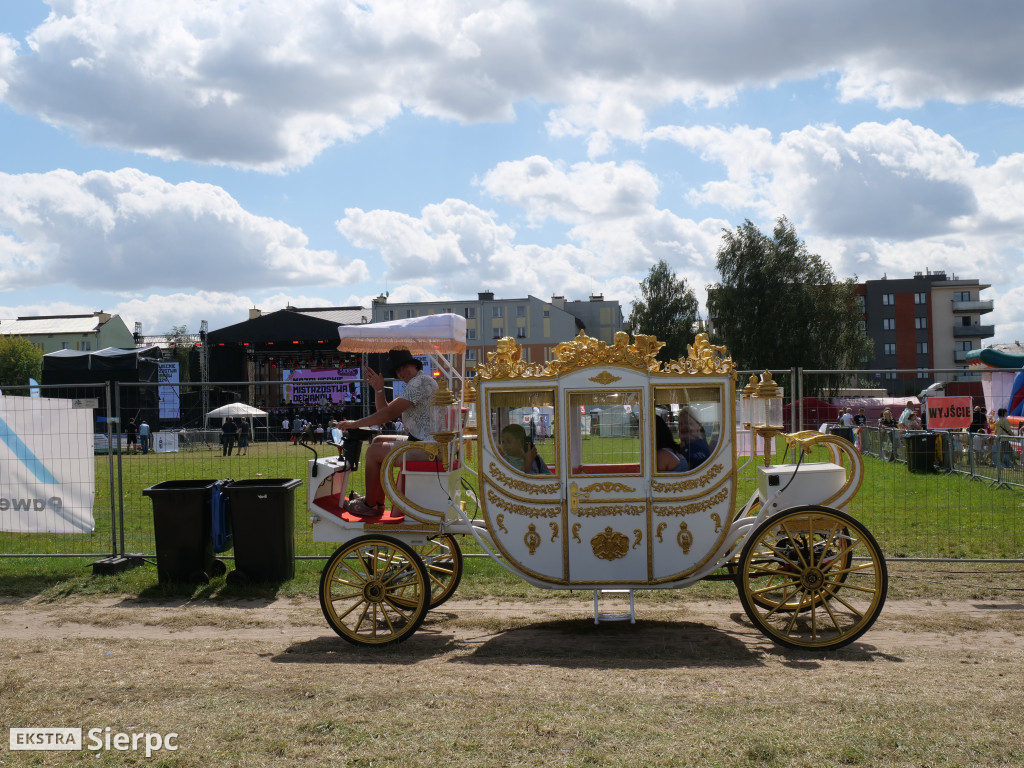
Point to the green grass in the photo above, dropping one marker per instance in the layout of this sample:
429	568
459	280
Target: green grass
911	515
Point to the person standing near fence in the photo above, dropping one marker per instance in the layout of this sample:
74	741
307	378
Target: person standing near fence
228	432
243	436
131	433
144	436
859	422
1003	430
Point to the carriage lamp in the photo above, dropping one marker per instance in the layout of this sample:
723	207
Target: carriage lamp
744	401
766	410
445	418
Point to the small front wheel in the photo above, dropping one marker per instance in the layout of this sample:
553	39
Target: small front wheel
374	590
812	577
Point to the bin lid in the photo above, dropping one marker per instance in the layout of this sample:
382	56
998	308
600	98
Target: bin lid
179	485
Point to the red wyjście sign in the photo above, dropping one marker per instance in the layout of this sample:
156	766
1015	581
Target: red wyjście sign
949	412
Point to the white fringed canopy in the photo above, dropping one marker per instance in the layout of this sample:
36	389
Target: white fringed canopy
438	334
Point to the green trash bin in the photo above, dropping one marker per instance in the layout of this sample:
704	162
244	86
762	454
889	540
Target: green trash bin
183	529
263	525
920	452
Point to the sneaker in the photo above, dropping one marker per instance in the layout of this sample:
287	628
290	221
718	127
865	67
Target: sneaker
360	508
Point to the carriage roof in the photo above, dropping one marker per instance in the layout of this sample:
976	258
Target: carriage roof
440	334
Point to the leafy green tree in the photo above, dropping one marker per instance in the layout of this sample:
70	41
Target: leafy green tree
667	309
181	342
20	360
778	305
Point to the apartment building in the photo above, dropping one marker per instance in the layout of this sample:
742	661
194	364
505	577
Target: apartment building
929	321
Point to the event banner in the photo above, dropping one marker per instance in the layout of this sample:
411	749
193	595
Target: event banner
949	412
47	482
170	397
320	386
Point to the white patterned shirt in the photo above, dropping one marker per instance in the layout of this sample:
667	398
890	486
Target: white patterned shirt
416	417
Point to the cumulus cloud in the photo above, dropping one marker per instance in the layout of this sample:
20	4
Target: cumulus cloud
875	200
129	231
270	85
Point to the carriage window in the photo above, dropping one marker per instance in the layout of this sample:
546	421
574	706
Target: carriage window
522	429
687	426
605	432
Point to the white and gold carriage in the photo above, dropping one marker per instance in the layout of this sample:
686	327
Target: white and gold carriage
595	512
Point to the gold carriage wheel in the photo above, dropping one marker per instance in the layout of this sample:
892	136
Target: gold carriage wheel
442	557
374	591
775	588
812	577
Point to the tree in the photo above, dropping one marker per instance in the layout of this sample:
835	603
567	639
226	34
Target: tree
20	360
181	344
778	305
667	309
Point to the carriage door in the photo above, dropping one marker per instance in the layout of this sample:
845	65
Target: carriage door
607	504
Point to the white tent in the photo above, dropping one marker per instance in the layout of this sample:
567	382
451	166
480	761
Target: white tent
235	409
439	334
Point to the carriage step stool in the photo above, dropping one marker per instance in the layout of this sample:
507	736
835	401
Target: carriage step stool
620	616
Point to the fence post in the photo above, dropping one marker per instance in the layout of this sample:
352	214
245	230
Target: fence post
120	473
110	469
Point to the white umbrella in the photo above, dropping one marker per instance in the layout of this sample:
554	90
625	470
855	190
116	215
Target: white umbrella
234	409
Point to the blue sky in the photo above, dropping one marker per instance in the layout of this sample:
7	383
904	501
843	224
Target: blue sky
186	160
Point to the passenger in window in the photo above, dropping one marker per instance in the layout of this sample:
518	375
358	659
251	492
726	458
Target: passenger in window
669	452
520	452
693	439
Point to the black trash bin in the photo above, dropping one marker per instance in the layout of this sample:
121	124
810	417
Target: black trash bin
183	529
263	525
920	452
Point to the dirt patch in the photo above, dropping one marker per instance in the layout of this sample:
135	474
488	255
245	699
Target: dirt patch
918	623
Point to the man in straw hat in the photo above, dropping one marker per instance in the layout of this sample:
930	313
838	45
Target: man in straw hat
413	407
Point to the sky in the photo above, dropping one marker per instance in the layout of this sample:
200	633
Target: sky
187	160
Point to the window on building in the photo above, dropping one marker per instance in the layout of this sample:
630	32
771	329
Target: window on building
389	314
446	311
547	313
923	373
888	323
410	313
922	347
520	310
64	345
890	349
963	346
888	300
520	333
84	346
469	312
920	323
498	333
497	311
859	303
961	295
920	298
471	333
470	355
890	376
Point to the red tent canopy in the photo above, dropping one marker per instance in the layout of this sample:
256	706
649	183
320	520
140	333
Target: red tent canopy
816	413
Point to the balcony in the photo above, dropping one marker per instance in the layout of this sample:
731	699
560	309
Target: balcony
973	306
973	331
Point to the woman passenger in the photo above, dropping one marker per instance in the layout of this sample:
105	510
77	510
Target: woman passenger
669	452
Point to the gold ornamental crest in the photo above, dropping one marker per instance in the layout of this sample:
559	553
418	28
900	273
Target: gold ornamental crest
609	544
702	358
